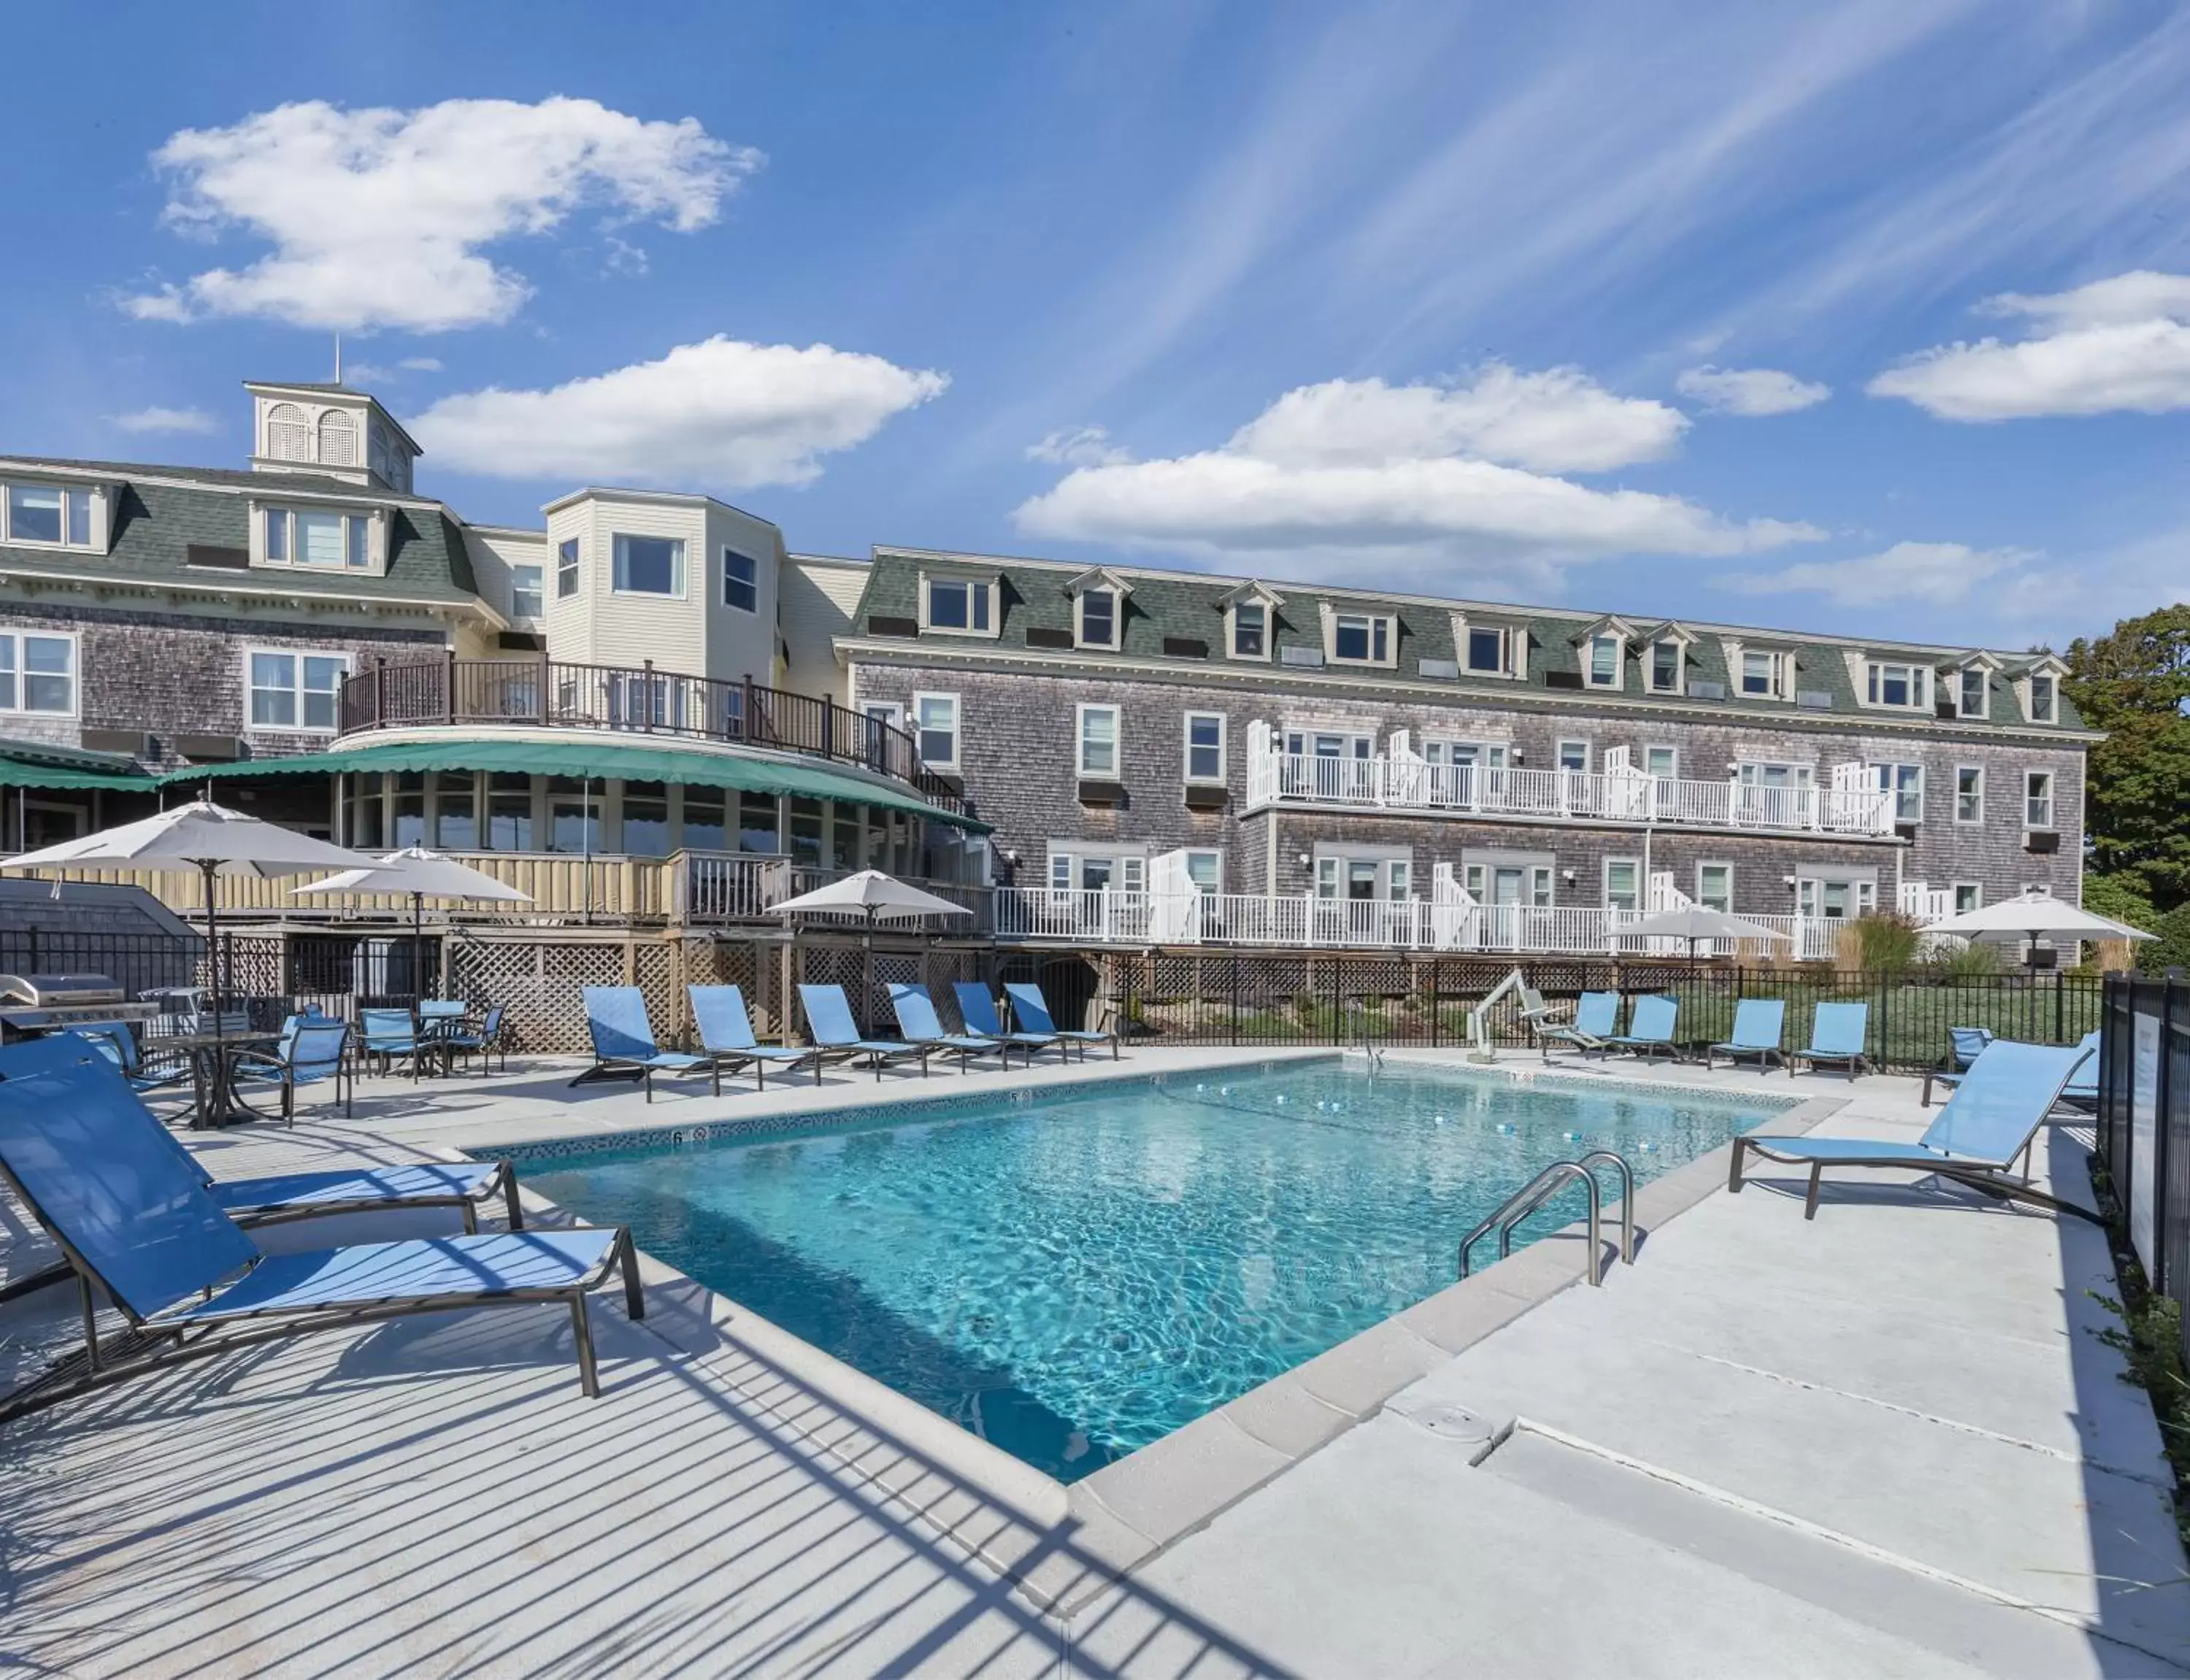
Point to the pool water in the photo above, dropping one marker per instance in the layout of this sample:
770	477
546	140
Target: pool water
1074	1276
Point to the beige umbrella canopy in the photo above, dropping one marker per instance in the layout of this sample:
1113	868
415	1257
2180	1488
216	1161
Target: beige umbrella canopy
203	836
2030	914
423	874
877	897
1694	923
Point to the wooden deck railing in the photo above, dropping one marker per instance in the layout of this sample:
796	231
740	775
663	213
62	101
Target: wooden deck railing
551	694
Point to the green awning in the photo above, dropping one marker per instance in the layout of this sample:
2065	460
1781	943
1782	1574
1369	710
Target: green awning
589	758
15	773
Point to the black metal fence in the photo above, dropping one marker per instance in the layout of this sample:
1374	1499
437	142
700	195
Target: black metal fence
1249	999
2144	1119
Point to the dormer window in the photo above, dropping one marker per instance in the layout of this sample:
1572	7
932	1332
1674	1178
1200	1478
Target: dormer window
2044	700
1972	689
1488	651
1361	638
959	606
1905	686
52	516
1666	660
1098	617
1251	631
316	537
1604	659
1766	674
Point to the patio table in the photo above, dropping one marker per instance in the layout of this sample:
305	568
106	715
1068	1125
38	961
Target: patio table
213	1057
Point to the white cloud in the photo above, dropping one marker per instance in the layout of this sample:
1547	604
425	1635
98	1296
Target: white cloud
420	364
1558	421
1079	446
1749	391
378	218
156	419
1397	477
1934	573
719	413
2117	344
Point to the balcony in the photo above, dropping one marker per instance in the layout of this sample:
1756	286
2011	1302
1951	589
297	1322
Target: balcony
1404	782
553	693
1460	928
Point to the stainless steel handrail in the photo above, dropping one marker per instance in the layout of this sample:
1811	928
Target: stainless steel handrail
1540	1189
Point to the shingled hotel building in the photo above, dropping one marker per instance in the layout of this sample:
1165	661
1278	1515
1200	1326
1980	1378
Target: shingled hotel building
1128	753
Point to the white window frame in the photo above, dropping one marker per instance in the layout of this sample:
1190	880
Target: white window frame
539	590
918	728
1680	666
570	553
1619	677
368	528
1081	714
1778	674
1962	707
1079	636
1464	635
1649	747
297	690
891	712
750	584
1716	863
1885	774
1216	855
1967	814
2030	803
1376	627
1975	889
1917	677
680	582
990	606
1186	747
93	498
1232	629
1605	895
1559	753
2052	711
16	637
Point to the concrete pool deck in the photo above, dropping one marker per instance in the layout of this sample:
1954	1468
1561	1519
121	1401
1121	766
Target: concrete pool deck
1885	1441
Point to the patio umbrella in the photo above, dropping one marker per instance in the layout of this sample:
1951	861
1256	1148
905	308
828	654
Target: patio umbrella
2028	914
206	837
1697	922
423	874
877	897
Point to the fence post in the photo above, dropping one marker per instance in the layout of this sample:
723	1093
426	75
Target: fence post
1885	1016
2161	1130
2059	1036
1235	999
1437	1000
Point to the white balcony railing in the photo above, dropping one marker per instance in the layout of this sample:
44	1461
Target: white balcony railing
1408	784
1406	924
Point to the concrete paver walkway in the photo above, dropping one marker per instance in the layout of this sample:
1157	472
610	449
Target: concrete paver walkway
1888	1441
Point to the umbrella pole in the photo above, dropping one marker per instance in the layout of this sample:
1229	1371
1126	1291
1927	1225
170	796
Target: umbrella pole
214	1101
867	977
418	944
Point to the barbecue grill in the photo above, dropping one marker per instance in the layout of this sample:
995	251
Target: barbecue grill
43	1003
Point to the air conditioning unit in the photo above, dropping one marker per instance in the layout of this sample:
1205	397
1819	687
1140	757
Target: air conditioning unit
1311	657
1446	669
1700	690
1817	700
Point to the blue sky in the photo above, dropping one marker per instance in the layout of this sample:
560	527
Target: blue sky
1851	316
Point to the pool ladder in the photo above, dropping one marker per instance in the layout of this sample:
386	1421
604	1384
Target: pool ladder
1547	1183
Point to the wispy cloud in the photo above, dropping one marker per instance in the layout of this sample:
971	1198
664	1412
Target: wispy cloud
1749	391
149	422
1933	573
1079	446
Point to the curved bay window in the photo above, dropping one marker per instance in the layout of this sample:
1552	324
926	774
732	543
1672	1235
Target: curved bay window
645	819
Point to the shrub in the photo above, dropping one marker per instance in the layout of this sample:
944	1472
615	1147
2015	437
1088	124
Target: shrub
1886	942
2121	898
1975	960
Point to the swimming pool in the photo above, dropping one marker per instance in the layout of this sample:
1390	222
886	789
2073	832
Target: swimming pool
1077	1272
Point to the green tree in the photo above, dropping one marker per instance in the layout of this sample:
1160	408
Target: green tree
2134	683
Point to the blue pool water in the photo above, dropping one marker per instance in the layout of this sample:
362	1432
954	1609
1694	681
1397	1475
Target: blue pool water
1074	1276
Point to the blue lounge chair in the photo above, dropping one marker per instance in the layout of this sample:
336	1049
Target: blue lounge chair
1965	1044
1759	1024
726	1035
1597	1015
918	1019
118	1039
136	1222
2082	1091
1030	1014
1991	1119
1836	1035
623	1041
829	1023
1650	1025
312	1051
978	1010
